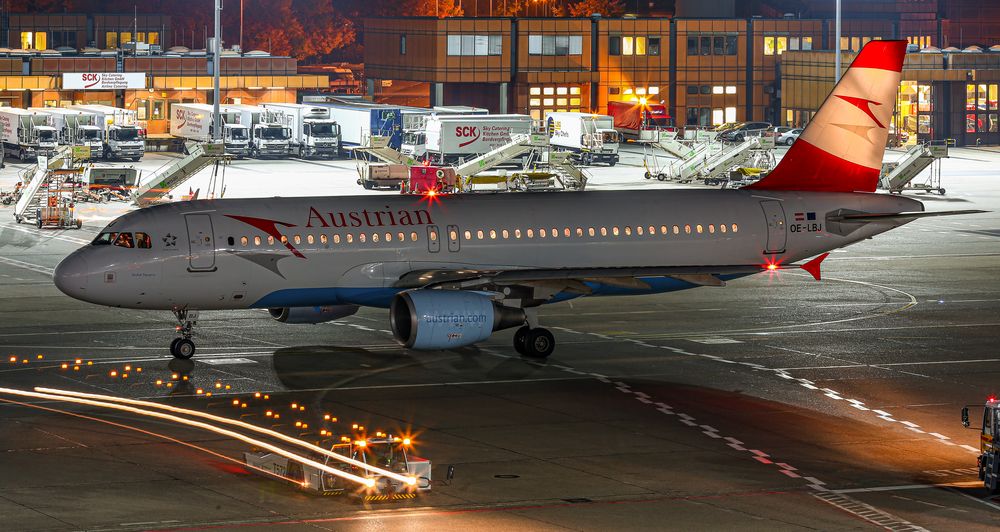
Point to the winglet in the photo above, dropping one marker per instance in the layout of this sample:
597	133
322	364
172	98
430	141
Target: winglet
813	266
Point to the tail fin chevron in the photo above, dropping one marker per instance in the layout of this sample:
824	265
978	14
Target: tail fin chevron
842	147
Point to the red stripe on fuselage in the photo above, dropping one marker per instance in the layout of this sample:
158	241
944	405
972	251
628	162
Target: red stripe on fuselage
808	168
884	55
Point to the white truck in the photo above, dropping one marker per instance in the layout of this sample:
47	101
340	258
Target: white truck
75	128
414	141
268	138
27	134
590	137
314	133
459	137
123	138
194	121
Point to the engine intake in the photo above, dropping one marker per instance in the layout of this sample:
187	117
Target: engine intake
312	314
439	319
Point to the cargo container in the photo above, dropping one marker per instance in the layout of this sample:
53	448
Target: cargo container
590	137
458	137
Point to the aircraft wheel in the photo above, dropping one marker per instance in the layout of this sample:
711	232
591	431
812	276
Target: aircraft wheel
519	338
647	175
661	177
539	343
183	349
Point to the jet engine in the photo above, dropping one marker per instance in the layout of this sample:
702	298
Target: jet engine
444	319
311	314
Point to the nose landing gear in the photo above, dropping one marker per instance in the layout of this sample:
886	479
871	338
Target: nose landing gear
183	347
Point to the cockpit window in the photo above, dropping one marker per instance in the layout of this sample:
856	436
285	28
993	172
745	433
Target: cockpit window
104	239
143	241
124	240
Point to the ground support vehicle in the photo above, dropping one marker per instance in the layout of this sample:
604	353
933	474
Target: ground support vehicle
640	121
123	138
76	128
387	452
989	444
590	138
313	132
26	134
359	121
268	138
457	138
195	122
382	175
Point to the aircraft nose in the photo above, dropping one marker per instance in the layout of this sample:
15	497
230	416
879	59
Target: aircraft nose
71	275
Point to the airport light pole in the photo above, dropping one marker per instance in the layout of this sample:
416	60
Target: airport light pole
836	74
217	55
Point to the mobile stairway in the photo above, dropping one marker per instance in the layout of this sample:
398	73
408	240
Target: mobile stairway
899	176
199	157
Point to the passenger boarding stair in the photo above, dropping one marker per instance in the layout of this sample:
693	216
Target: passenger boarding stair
378	147
669	143
898	176
30	197
519	145
568	175
176	173
707	165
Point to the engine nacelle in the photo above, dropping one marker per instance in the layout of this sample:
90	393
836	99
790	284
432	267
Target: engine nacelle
312	314
444	319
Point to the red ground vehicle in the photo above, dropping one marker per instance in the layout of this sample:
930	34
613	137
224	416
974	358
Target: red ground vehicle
640	121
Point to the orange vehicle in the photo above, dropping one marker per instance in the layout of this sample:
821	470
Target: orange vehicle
989	444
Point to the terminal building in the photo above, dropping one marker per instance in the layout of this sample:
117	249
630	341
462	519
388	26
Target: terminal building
57	60
704	63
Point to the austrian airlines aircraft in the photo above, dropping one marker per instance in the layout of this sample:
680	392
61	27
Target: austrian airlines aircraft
454	269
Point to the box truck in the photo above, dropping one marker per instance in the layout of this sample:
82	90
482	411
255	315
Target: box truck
75	128
123	138
314	133
640	121
268	138
458	137
27	134
591	138
195	121
414	142
359	120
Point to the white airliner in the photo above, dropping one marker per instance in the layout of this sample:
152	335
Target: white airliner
454	269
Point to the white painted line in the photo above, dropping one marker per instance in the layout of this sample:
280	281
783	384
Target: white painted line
27	266
224	361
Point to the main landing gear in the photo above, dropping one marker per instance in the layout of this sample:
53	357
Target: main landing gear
531	340
183	347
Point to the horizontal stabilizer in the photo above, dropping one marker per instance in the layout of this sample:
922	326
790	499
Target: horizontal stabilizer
868	217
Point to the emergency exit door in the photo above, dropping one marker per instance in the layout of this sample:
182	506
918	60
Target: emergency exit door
433	239
774	213
453	238
201	242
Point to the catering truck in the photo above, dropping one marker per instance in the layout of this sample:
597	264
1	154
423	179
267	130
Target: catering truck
123	138
590	138
195	121
268	138
458	137
314	133
639	121
75	128
414	141
27	134
360	120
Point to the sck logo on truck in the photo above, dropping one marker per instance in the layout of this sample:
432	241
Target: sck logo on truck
465	132
90	79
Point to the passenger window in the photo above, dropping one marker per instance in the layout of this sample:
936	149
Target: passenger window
480	235
677	230
722	227
566	232
579	231
493	234
231	241
400	236
350	238
638	230
687	229
531	233
555	232
628	230
388	237
736	228
256	240
468	234
699	228
711	228
361	237
284	239
124	240
542	233
104	239
310	239
432	234
270	240
244	241
453	235
590	231
336	239
517	233
663	230
374	237
323	239
505	234
413	236
614	230
297	239
143	241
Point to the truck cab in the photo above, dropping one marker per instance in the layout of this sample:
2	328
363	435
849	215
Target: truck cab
124	142
989	444
90	136
236	138
320	137
45	139
270	140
